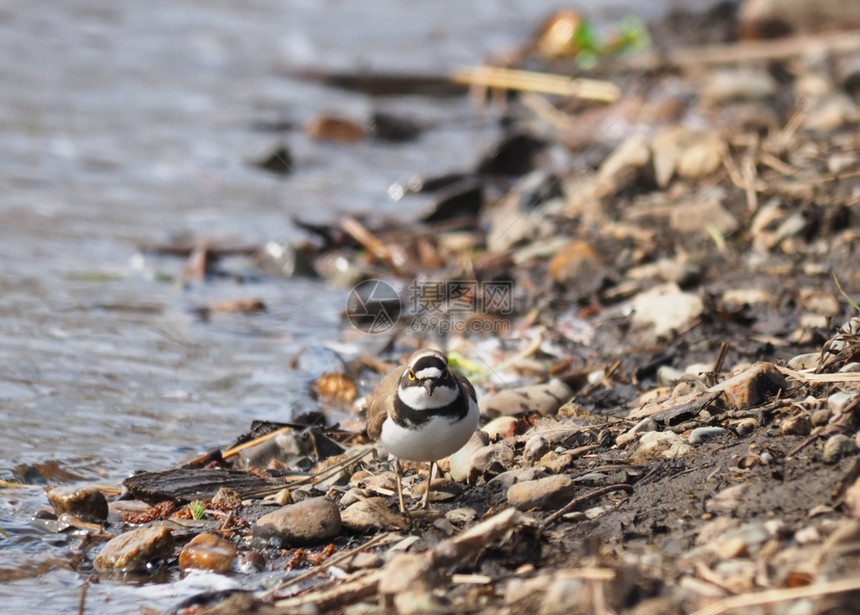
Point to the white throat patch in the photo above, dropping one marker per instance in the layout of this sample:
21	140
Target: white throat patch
416	397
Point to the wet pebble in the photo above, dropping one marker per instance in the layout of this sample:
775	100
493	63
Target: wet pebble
542	493
837	447
701	434
136	549
308	522
86	503
207	552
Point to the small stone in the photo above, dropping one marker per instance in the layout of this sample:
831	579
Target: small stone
407	581
839	401
545	399
461	516
624	167
728	500
500	428
804	361
370	514
329	127
852	499
700	214
460	463
136	549
665	444
535	448
511	477
556	462
646	424
311	521
798	425
726	85
751	387
491	460
668	375
746	426
820	417
700	434
574	261
837	447
666	308
207	552
85	503
542	493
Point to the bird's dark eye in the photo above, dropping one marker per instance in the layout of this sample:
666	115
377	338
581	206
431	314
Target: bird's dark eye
445	375
411	375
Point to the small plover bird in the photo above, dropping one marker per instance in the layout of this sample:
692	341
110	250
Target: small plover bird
422	411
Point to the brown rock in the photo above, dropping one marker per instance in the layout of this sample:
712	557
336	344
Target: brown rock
798	425
334	128
544	399
752	387
134	550
86	503
491	460
548	492
370	514
556	462
207	552
308	522
576	260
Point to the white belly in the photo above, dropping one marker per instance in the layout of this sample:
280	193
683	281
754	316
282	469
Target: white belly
434	440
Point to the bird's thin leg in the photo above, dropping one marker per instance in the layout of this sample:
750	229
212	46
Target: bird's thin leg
399	485
426	497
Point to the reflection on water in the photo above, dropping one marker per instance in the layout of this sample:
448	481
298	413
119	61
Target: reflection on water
123	124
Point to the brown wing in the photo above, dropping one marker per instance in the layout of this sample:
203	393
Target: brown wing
465	385
380	400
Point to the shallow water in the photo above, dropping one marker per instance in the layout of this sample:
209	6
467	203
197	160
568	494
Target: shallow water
126	124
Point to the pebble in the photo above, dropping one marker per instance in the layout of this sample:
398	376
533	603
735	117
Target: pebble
798	425
746	426
665	444
535	448
556	462
491	460
511	477
665	308
552	491
136	549
207	551
726	85
839	401
700	434
328	127
702	212
645	425
576	261
623	167
752	387
820	417
370	514
86	503
460	463
545	399
311	521
808	360
837	447
500	428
